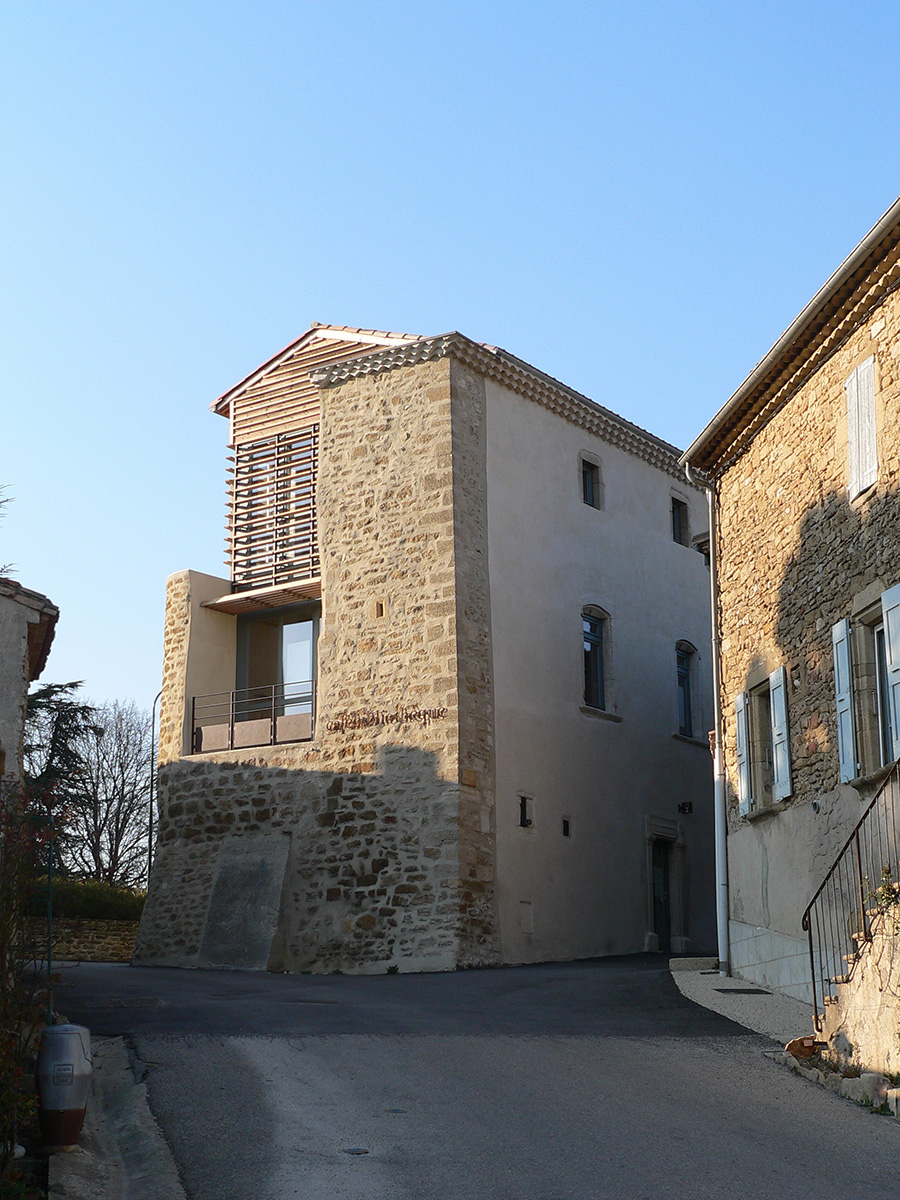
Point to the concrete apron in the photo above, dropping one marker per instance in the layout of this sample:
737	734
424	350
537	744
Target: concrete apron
121	1151
781	1019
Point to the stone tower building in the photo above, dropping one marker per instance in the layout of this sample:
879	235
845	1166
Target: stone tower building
450	706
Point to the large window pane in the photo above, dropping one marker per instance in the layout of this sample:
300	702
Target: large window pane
297	665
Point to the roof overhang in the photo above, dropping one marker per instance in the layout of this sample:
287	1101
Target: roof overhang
267	597
519	376
745	405
375	338
42	618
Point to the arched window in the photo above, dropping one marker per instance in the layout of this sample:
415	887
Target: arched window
595	635
685	656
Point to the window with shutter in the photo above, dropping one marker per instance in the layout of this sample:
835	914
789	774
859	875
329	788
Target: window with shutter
781	748
843	686
742	740
862	448
890	608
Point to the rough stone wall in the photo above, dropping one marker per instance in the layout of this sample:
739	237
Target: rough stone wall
862	1027
478	931
374	809
13	689
793	552
175	652
80	940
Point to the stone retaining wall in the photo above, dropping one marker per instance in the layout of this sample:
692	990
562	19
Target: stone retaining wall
88	941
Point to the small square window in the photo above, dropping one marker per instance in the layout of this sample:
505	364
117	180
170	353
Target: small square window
591	487
680	533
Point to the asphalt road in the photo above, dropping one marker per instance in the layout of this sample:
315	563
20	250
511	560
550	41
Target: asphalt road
566	1082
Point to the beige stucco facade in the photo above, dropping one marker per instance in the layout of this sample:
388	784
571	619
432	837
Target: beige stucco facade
457	555
618	777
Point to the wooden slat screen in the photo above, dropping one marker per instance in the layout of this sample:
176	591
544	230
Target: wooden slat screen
286	398
273	537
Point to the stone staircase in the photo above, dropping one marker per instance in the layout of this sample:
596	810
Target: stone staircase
860	1021
853	926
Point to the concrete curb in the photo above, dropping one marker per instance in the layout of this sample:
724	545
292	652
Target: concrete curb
760	1009
121	1152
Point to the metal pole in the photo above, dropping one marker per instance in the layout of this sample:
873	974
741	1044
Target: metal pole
49	1016
152	782
719	804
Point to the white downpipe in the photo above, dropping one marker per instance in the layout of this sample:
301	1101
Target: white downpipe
721	817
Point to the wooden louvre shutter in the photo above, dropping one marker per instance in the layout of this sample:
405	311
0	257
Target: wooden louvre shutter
852	434
868	447
781	742
843	688
862	445
742	741
890	608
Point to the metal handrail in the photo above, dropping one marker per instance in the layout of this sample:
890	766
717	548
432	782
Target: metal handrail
838	918
268	703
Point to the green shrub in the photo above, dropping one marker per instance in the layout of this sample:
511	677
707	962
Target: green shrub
89	899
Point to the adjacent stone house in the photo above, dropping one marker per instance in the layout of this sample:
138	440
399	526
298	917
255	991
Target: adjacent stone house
450	705
27	625
804	473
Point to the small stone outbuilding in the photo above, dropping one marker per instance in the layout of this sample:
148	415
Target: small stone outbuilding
27	625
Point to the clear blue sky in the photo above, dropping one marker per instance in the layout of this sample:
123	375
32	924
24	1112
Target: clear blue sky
636	198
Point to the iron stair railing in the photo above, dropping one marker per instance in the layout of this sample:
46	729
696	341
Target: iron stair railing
838	919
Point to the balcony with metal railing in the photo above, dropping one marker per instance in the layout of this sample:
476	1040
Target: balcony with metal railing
259	716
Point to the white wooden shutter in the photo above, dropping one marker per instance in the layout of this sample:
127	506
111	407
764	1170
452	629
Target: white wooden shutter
890	608
852	434
742	741
843	687
862	446
868	446
781	742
